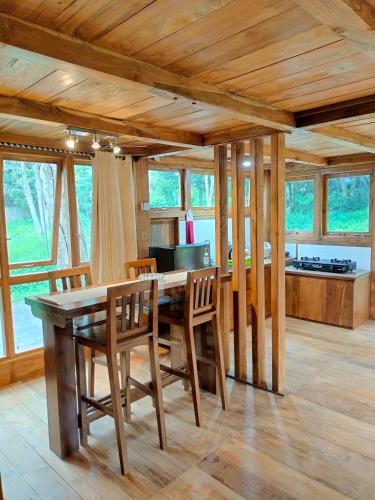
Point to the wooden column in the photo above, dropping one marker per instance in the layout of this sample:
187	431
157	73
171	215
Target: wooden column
267	205
372	228
143	216
238	257
221	240
257	261
68	166
186	189
278	260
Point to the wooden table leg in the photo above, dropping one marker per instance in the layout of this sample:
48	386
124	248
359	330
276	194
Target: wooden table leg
61	388
204	347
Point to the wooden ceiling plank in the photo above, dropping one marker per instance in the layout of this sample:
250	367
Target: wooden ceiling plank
24	36
54	114
348	138
353	20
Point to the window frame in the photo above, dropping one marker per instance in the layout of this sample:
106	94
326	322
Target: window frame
56	208
306	235
181	190
338	234
81	163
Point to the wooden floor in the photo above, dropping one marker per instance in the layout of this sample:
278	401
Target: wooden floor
316	443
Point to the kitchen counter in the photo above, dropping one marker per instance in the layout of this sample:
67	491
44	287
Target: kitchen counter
353	275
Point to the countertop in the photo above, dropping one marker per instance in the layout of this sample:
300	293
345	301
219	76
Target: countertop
357	273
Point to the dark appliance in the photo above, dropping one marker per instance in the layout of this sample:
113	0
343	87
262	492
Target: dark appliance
326	265
194	256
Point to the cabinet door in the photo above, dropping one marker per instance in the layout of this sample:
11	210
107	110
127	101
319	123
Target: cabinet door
340	302
292	295
312	298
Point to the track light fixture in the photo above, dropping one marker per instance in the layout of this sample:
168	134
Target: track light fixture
72	140
95	142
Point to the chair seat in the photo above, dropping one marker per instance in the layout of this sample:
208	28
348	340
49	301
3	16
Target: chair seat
88	320
96	336
172	314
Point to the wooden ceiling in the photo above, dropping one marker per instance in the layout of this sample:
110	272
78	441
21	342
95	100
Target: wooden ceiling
188	74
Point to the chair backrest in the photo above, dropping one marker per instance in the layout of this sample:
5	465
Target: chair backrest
74	277
202	292
133	268
139	310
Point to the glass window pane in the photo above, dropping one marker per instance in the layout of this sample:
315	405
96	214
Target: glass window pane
202	190
164	188
299	205
83	177
247	191
29	192
348	204
27	329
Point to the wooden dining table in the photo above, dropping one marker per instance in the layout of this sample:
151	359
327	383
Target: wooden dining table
57	311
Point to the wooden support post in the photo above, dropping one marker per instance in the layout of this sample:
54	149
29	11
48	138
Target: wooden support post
372	228
186	189
143	216
267	205
278	260
238	257
257	261
221	241
68	167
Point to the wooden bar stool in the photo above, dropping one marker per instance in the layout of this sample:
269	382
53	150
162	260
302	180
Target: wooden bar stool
136	326
201	306
69	279
133	268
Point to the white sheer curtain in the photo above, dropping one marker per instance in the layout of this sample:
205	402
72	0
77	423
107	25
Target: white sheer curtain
114	238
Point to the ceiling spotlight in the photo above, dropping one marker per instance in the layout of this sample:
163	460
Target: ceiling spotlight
113	144
71	142
95	143
247	163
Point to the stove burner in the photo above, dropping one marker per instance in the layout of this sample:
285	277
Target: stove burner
327	265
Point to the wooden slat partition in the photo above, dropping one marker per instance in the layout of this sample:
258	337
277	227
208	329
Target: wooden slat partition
372	229
221	240
239	269
143	217
257	261
278	260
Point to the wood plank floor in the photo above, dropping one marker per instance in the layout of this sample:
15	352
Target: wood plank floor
316	443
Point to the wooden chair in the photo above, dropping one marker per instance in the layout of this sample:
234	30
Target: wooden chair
134	268
137	325
77	277
201	306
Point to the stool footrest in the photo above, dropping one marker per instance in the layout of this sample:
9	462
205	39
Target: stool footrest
178	371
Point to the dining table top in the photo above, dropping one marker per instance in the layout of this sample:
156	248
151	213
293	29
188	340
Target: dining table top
93	298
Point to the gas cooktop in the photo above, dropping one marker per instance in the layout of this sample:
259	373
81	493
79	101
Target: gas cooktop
326	265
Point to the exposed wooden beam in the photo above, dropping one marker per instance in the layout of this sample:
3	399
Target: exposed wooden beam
46	113
358	159
298	156
348	138
235	134
336	113
353	20
38	40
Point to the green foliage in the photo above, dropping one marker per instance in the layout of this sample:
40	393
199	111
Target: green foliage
299	205
164	189
83	177
348	204
202	190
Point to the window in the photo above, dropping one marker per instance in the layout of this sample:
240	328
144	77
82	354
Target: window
247	191
29	195
83	178
27	329
299	205
164	188
348	204
202	190
2	339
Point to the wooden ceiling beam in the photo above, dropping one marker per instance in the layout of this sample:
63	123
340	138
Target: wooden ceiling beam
352	20
31	40
235	134
47	113
339	112
356	159
347	138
